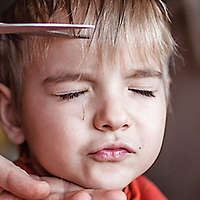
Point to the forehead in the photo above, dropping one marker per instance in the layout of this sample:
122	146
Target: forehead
75	55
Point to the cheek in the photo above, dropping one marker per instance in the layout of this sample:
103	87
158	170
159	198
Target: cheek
154	123
48	124
153	132
53	137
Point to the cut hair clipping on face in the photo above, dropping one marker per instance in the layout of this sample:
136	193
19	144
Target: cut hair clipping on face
44	29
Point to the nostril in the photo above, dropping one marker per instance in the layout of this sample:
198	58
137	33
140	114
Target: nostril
109	127
125	126
106	126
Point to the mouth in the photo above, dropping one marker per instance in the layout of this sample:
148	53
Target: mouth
111	153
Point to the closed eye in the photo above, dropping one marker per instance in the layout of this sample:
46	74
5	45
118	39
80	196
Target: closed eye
147	93
71	95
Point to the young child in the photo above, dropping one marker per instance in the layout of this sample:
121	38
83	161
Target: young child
92	111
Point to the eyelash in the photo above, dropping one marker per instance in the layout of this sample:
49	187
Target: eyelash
146	93
71	95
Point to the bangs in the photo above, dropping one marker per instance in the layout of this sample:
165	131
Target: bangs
141	25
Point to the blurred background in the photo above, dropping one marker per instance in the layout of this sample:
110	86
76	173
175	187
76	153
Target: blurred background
177	170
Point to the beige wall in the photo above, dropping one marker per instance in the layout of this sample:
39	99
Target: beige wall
7	149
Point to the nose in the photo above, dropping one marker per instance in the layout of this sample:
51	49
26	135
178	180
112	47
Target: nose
111	116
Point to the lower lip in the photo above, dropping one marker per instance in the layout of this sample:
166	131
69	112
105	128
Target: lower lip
110	155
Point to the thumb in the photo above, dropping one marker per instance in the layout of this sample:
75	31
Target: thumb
18	182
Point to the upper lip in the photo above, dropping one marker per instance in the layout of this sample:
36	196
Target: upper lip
113	146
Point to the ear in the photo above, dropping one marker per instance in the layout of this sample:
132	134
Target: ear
9	120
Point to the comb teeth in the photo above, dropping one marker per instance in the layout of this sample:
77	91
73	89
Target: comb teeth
58	34
44	29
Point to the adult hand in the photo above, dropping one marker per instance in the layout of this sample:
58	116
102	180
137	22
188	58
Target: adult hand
62	190
15	184
15	181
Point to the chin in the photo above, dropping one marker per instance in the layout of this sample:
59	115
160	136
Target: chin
108	182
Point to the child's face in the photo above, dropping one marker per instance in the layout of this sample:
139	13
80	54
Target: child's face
97	125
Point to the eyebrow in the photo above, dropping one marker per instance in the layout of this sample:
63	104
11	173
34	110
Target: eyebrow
64	77
146	73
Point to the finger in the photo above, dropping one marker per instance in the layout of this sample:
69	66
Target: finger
63	190
35	177
60	186
107	195
94	195
19	183
76	195
7	196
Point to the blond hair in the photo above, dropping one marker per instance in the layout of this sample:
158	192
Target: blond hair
142	24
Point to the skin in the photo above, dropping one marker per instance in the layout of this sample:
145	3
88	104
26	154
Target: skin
107	109
45	187
107	113
10	176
